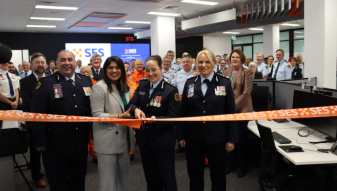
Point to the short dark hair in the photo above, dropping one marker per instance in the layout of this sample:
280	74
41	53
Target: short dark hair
239	52
121	84
36	55
155	58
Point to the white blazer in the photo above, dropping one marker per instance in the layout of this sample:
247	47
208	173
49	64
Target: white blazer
109	138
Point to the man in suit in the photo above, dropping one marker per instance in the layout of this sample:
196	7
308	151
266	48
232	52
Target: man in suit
65	144
28	86
97	71
207	94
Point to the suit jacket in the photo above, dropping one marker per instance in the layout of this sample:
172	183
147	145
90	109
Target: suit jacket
163	102
108	138
242	88
28	86
219	99
96	76
57	95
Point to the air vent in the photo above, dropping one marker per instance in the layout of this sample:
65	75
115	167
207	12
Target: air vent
98	19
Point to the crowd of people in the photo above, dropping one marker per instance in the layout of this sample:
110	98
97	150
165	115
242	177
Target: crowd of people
157	88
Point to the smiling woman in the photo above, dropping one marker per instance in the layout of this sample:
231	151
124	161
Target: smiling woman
109	99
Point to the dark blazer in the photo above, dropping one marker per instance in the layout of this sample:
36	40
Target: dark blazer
28	86
96	76
161	136
56	95
195	104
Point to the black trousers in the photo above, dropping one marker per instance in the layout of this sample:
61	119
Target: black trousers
66	170
159	168
195	156
37	158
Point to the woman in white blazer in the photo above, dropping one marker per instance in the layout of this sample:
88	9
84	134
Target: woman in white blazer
109	99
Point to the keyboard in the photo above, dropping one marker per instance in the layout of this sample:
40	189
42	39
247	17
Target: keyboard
280	138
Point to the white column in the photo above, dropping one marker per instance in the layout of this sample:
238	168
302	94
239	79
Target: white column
163	35
271	39
320	41
219	44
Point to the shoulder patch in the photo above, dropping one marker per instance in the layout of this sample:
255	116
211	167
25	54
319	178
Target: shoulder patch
177	97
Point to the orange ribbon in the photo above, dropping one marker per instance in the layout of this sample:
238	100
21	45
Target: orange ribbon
312	112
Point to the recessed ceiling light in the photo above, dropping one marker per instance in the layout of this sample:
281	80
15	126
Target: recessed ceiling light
56	7
200	2
41	26
47	18
138	22
255	29
164	14
120	28
290	24
231	32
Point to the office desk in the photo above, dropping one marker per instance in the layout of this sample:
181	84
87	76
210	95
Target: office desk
310	156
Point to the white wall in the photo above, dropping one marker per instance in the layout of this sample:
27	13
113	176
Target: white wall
163	35
218	43
18	56
320	45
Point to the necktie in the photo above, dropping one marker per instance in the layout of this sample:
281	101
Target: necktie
10	83
26	74
207	82
71	81
151	90
276	70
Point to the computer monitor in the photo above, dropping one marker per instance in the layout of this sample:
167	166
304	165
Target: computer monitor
327	125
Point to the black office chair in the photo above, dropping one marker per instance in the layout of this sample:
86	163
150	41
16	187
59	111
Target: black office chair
13	142
274	172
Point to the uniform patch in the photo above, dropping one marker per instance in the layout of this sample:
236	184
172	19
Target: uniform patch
156	101
220	91
177	97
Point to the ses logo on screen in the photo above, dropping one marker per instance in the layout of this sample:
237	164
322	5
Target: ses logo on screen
84	51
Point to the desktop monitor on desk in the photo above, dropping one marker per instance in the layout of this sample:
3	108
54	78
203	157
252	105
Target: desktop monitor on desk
327	126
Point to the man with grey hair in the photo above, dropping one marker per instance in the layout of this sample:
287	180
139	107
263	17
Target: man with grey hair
25	69
261	67
65	143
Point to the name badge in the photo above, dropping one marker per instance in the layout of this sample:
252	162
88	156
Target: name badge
220	91
156	101
58	93
190	92
87	91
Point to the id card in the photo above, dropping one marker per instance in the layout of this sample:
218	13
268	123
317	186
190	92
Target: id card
190	91
220	91
58	92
